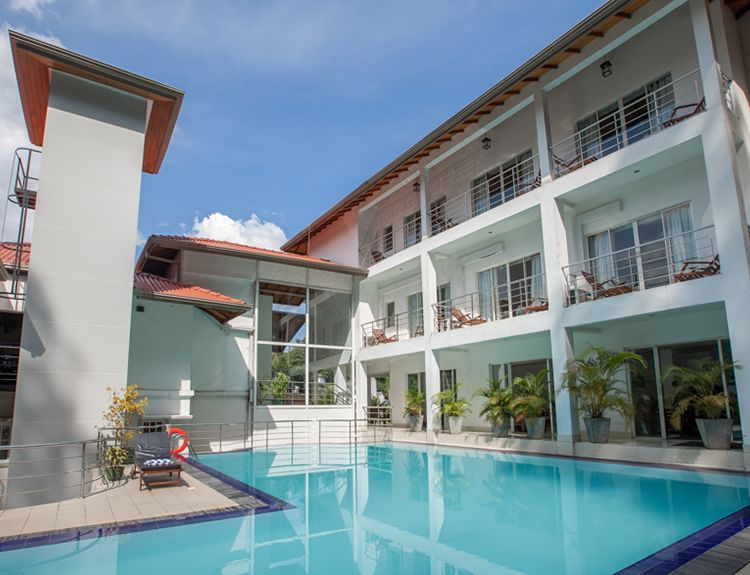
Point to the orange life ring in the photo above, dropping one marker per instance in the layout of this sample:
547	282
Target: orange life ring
183	434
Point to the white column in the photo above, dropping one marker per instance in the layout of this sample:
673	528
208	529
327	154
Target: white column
555	243
709	69
541	117
432	386
431	367
424	201
80	287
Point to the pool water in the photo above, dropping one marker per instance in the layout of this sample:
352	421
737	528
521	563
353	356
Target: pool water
387	509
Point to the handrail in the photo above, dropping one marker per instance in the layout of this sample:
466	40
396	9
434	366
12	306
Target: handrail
519	297
671	259
400	326
627	124
385	245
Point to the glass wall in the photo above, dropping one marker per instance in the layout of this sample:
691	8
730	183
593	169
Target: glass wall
303	352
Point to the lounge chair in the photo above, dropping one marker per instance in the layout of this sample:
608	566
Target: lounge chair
376	256
680	113
535	305
153	460
380	337
607	288
567	166
694	269
463	319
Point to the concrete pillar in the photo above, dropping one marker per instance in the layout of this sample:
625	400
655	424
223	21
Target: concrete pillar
424	201
709	69
431	368
541	118
80	286
432	387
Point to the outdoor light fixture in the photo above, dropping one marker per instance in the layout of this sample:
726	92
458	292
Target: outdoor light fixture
416	187
487	143
606	68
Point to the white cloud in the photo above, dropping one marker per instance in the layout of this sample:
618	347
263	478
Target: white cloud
252	231
12	127
33	7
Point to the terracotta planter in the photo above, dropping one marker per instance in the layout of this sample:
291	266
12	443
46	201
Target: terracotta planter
415	422
535	427
455	424
501	429
597	429
715	433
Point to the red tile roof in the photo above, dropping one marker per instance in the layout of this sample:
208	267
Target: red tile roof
254	251
218	305
8	254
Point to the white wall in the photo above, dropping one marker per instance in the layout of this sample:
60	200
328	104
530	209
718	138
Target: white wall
338	242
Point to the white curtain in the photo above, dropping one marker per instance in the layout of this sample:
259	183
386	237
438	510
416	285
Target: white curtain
660	99
484	284
677	225
538	290
600	251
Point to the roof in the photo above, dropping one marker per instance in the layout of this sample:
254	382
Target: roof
33	61
219	306
550	58
8	251
237	250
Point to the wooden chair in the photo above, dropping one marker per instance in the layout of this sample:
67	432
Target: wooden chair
694	269
536	305
463	319
376	256
419	330
380	337
567	166
153	460
680	113
607	288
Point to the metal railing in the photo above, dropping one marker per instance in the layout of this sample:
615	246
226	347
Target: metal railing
401	326
519	297
44	469
8	366
676	258
272	392
6	424
378	414
658	109
392	242
490	193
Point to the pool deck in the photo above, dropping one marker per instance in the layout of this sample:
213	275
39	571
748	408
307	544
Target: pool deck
120	503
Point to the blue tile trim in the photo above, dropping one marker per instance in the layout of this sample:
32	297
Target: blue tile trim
677	554
272	504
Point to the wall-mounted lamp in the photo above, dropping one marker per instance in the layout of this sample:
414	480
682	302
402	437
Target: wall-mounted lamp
606	68
416	187
487	143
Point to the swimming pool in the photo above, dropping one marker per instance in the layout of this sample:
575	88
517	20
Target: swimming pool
397	508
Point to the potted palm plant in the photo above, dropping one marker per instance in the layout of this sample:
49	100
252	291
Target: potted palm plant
531	401
452	407
593	380
497	406
413	409
700	387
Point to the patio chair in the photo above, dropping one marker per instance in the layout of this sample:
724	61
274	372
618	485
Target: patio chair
607	288
535	305
694	269
680	113
380	337
153	460
376	256
567	166
463	319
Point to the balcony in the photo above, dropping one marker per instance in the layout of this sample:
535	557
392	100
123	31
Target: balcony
656	106
515	298
398	327
492	190
391	241
673	259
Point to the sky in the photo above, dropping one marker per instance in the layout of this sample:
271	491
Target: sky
289	104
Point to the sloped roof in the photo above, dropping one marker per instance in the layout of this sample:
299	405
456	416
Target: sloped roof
241	250
217	305
8	254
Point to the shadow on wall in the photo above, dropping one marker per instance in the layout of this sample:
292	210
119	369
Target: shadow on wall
44	412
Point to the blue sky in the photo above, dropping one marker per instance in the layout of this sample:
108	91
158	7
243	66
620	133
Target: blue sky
289	104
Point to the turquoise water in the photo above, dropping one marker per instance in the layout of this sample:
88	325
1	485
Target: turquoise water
383	509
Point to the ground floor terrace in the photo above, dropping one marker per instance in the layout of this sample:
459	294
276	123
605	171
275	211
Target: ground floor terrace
685	337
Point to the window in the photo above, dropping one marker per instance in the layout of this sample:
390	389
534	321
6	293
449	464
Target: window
412	229
390	314
415	382
437	216
414	305
281	313
499	185
330	318
662	240
387	239
330	377
511	286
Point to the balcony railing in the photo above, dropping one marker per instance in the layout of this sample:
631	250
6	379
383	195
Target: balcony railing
490	193
390	242
273	392
660	108
404	325
519	297
673	259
